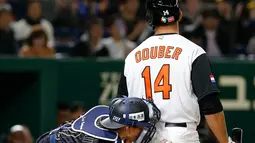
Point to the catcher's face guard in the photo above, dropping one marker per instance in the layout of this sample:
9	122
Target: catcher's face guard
148	133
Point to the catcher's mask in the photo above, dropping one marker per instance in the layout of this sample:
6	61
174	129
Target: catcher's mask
133	112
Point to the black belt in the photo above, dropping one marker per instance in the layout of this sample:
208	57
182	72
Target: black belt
176	125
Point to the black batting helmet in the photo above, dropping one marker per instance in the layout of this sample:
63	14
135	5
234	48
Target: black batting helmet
133	112
162	12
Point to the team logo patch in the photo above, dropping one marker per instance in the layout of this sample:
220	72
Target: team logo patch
136	116
170	19
167	20
212	78
163	20
116	119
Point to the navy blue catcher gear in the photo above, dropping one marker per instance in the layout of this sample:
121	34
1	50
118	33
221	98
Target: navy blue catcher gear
133	112
89	124
85	129
162	12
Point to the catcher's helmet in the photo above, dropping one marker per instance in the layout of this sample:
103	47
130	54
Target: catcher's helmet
162	12
133	112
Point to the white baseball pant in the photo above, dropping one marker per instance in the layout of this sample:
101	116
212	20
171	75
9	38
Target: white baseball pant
176	134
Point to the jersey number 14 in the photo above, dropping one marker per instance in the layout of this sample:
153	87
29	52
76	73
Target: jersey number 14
164	76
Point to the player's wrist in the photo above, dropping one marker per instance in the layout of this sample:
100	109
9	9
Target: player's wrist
224	139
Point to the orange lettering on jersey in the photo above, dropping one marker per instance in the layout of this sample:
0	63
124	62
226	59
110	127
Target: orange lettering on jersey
168	51
158	52
161	51
154	52
138	56
145	54
176	54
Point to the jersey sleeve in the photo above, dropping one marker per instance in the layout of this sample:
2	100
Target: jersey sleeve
202	79
122	89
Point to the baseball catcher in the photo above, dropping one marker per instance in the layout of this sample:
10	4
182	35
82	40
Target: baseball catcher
130	119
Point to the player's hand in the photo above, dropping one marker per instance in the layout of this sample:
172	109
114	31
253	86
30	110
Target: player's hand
230	140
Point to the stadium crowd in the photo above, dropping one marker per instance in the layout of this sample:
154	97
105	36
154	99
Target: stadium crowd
65	112
112	28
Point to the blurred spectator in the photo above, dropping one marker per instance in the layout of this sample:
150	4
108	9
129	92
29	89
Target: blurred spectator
225	9
65	16
101	7
33	22
19	134
28	135
2	3
5	4
66	26
118	46
90	8
231	31
239	8
211	35
251	46
91	44
7	41
191	16
36	46
113	7
62	4
63	113
77	109
135	24
65	40
210	24
83	10
16	134
251	7
246	29
48	9
18	8
227	27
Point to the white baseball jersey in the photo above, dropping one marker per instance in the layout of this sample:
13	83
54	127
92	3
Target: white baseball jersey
172	71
